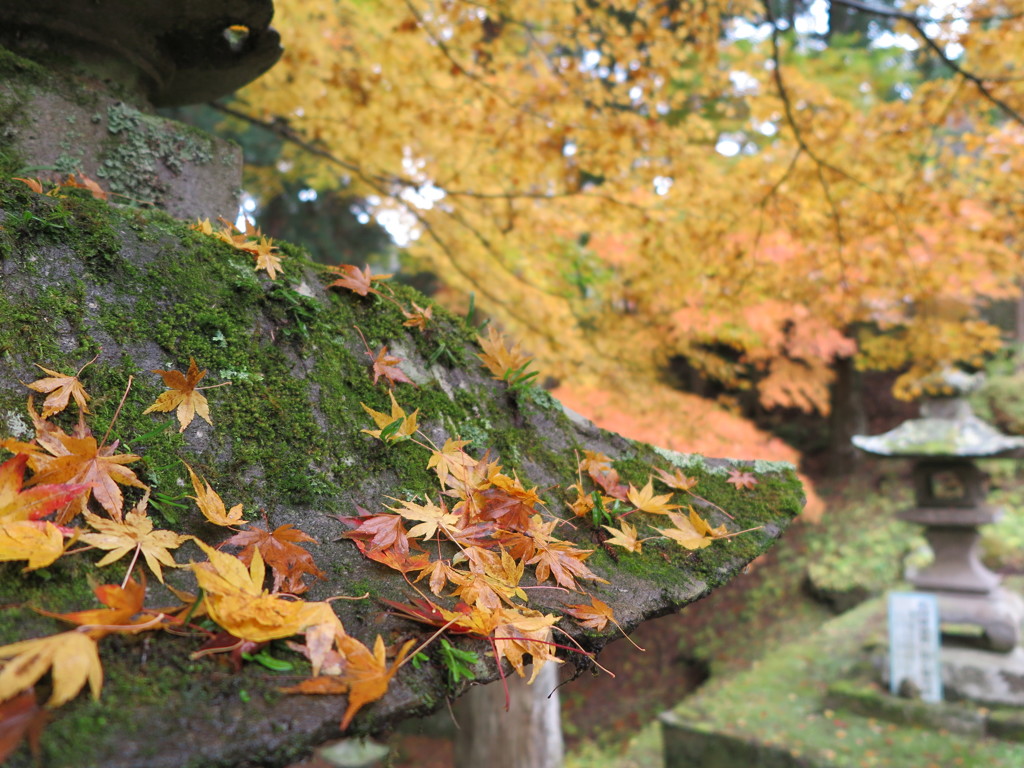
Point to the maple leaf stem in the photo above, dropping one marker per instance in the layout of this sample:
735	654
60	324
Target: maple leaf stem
131	565
117	413
88	364
631	641
365	344
701	498
745	530
214	386
346	597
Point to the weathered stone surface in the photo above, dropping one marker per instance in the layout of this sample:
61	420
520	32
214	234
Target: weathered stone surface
56	126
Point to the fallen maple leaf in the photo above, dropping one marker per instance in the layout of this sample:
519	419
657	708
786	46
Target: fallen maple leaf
676	480
34	184
354	279
60	388
692	532
77	459
624	536
593	616
394	427
21	718
136	532
430	517
380	532
211	505
419	317
17	503
450	459
521	632
504	362
646	501
71	656
183	395
124	609
741	479
86	183
364	676
280	550
40	543
267	257
387	366
234	598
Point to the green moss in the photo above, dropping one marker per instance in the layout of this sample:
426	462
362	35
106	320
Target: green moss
286	432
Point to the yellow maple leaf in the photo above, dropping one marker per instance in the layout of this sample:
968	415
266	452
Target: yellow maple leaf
267	256
523	631
72	657
431	518
449	459
60	387
503	361
211	505
645	500
183	395
235	599
407	424
38	542
624	536
136	532
686	532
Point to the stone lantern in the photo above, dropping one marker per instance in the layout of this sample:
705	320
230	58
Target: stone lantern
980	619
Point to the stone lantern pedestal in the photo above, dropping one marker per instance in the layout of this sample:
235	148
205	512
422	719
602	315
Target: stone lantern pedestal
980	620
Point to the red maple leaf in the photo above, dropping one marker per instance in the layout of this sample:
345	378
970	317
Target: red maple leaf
280	550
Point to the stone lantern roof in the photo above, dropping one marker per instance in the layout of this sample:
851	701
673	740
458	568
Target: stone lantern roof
947	427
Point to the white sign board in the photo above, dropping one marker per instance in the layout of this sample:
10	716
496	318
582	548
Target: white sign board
914	644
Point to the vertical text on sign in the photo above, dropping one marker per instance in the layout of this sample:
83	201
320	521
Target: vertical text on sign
914	660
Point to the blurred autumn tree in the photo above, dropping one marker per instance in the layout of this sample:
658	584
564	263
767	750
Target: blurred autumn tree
634	188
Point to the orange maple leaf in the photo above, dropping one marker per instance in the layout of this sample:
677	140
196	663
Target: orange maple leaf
60	387
124	609
676	480
405	428
34	184
63	458
364	675
741	479
86	183
387	366
280	550
419	317
593	616
354	279
183	395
